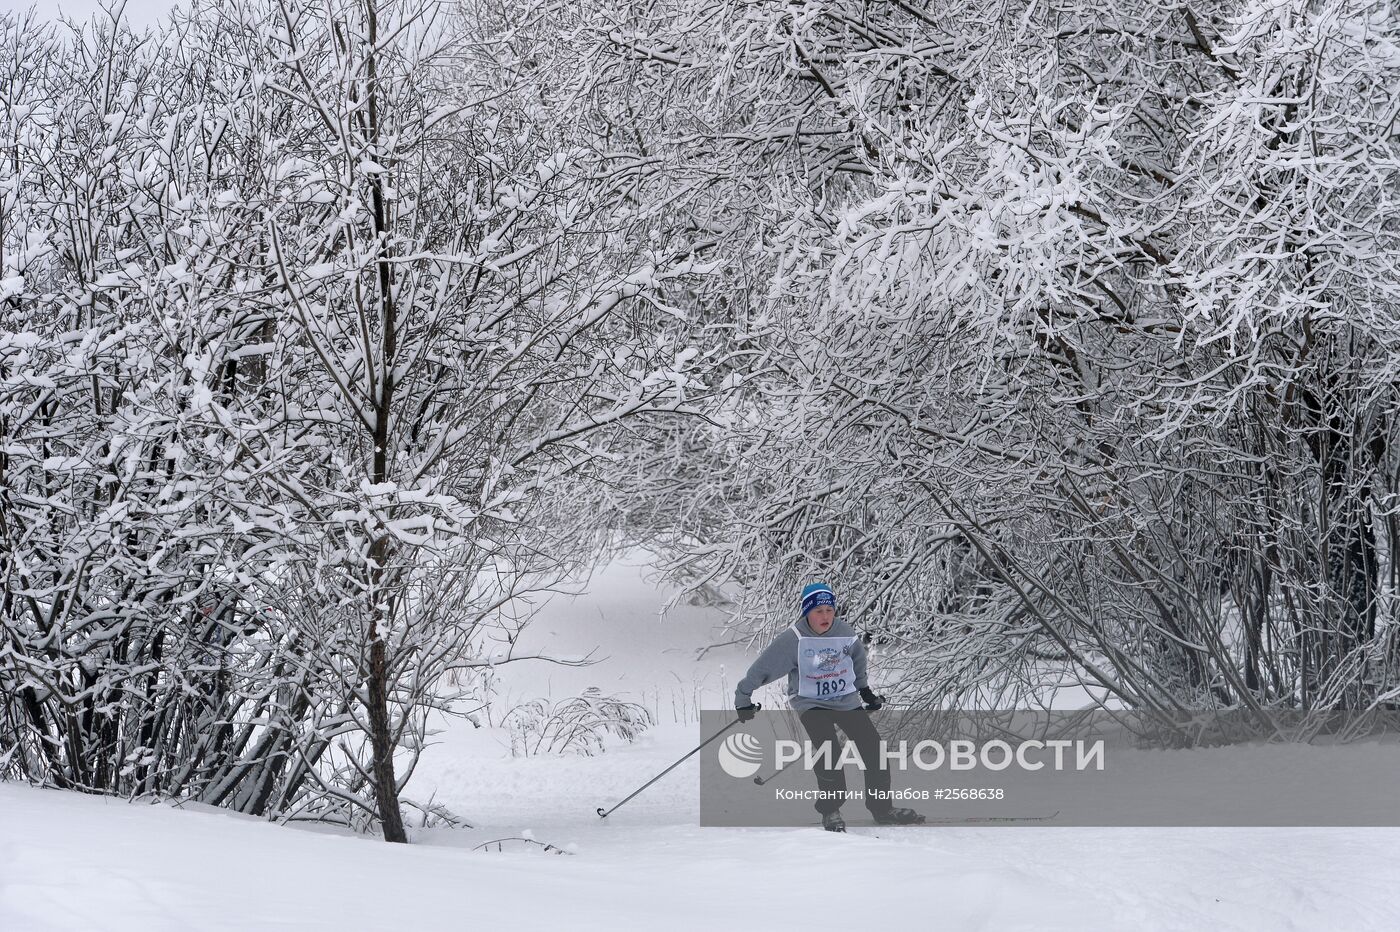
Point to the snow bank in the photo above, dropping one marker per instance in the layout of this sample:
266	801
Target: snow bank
71	863
85	864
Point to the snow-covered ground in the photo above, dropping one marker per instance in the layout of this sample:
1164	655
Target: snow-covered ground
70	862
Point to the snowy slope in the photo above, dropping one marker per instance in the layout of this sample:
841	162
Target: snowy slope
78	863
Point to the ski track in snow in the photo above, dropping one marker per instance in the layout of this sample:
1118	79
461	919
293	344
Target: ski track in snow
70	862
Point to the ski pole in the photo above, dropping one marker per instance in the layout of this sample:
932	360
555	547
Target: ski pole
604	813
762	780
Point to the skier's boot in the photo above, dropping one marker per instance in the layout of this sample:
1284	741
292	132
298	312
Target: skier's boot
894	816
832	822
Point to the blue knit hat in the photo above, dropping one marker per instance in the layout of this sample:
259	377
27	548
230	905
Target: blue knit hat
814	594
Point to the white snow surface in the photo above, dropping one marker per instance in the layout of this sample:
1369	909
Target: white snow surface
88	864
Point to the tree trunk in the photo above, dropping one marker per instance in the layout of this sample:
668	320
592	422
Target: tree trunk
386	790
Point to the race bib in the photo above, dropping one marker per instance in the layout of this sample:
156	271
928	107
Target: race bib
825	668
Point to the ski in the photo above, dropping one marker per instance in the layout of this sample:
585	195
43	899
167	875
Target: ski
976	819
966	820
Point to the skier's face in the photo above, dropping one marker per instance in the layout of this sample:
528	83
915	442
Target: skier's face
820	618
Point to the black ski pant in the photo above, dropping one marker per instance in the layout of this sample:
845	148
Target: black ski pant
821	725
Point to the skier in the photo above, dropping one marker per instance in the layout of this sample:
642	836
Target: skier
824	661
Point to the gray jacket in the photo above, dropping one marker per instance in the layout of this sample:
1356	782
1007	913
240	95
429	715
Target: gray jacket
780	659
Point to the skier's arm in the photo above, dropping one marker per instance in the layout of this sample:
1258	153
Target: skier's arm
779	659
858	656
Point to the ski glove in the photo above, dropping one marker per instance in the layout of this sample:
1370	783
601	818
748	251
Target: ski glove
872	701
747	712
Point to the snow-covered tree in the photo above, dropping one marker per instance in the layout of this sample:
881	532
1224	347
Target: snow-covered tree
338	311
1073	353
